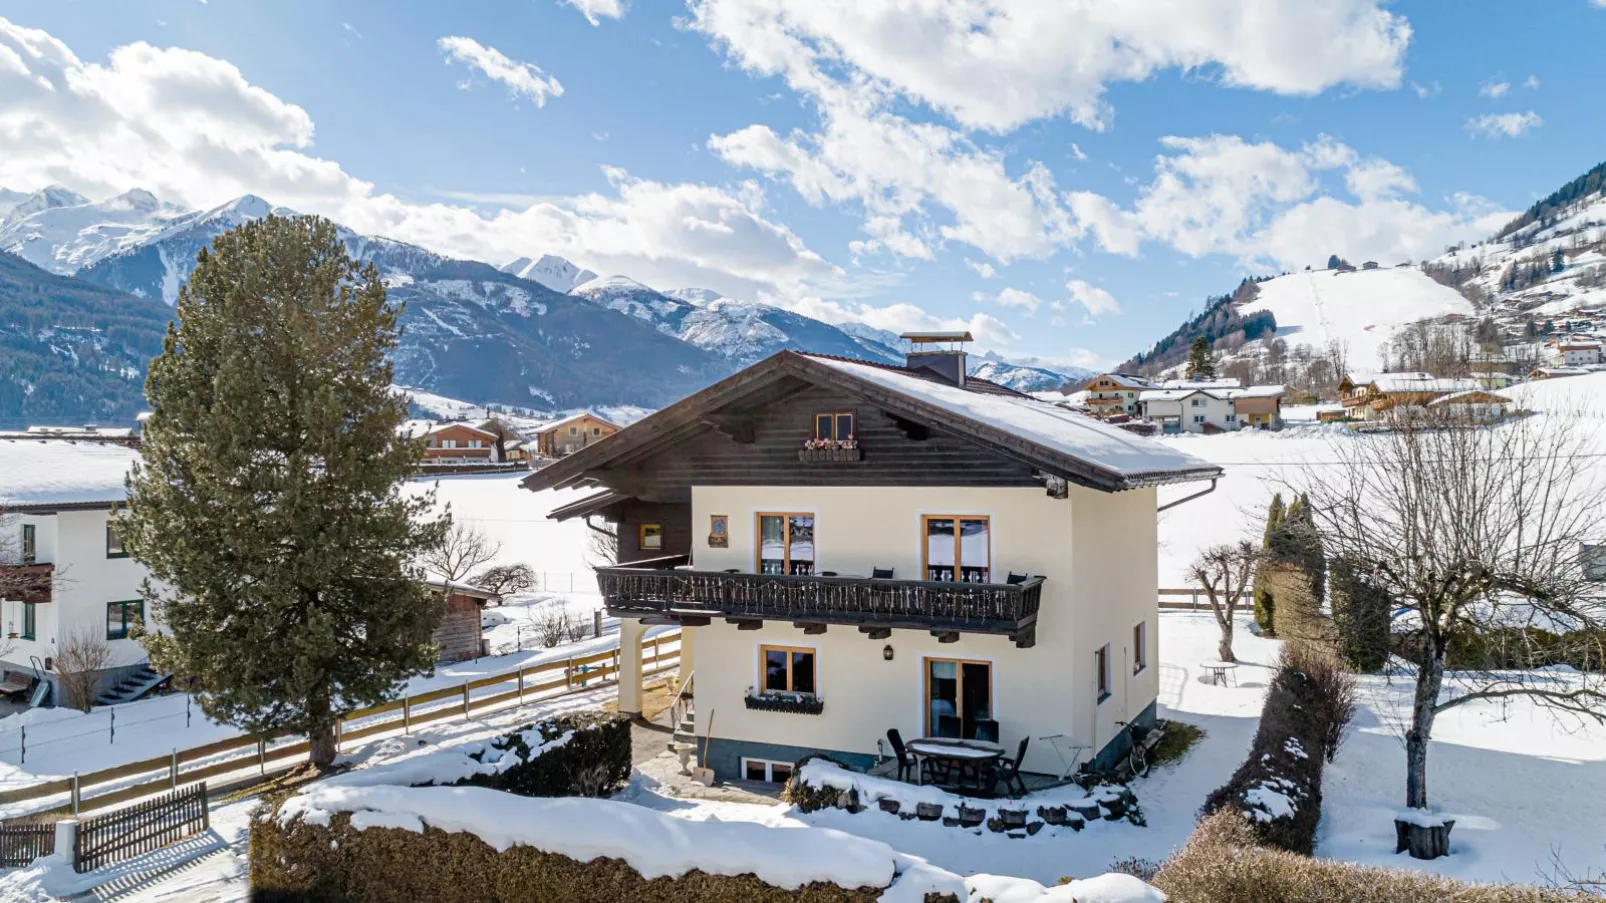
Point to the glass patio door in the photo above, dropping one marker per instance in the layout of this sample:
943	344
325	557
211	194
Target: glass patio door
958	695
958	548
786	544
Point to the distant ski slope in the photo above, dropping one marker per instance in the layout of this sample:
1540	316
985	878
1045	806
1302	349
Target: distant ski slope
1363	309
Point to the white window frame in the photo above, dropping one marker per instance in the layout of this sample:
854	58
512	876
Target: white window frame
769	768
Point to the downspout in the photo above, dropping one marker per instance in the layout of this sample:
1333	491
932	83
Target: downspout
1188	498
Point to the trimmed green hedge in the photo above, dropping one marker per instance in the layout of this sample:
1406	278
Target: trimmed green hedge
390	865
1361	612
593	761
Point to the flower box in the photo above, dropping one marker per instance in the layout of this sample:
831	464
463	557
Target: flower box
830	455
790	703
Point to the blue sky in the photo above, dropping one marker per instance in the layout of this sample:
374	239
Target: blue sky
1067	181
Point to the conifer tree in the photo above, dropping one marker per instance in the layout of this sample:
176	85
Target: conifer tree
269	505
1265	604
1201	364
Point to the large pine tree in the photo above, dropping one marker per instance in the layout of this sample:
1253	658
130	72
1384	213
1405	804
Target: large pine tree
1201	362
269	506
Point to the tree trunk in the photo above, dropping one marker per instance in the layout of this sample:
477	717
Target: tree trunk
320	734
1224	651
1429	680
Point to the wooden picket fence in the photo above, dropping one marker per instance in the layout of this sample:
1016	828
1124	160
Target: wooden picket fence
140	828
22	844
1197	600
196	764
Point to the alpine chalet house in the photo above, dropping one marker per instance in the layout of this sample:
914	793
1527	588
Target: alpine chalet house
852	547
63	573
572	433
1115	393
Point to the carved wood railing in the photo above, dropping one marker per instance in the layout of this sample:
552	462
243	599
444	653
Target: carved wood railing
966	607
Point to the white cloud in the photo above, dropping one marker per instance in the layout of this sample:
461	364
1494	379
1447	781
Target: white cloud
1097	301
524	79
1010	297
983	268
191	129
1494	90
1507	125
1532	81
595	10
1077	152
899	317
996	64
1427	90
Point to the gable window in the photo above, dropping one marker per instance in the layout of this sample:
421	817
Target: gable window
1140	646
448	443
1198	402
1101	667
114	543
30	546
574	431
787	669
959	696
29	620
475	443
837	425
957	543
596	431
121	618
650	537
786	543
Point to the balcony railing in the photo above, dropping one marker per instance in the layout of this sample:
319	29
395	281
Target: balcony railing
654	589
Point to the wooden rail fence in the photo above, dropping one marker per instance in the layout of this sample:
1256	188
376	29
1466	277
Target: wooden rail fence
140	828
1197	600
193	765
22	844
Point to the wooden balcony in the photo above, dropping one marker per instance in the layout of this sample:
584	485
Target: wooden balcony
27	582
661	592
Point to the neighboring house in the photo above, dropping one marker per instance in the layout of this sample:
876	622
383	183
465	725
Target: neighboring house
1556	372
508	437
1258	407
1214	382
1389	394
1471	406
1494	379
453	442
1573	352
56	500
1114	392
460	635
569	435
1189	410
974	560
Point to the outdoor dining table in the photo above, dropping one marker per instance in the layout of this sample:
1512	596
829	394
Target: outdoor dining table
1220	671
973	757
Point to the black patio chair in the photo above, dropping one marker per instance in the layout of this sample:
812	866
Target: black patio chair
987	729
1015	579
1010	771
949	726
906	763
881	573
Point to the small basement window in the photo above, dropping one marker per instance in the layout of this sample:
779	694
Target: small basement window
836	425
766	771
650	537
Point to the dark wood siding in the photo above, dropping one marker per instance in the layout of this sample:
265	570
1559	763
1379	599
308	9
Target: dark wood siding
459	634
892	456
675	518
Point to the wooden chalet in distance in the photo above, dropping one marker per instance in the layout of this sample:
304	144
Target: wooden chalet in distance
853	547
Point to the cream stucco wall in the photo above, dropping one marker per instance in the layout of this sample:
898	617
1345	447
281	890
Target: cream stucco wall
1097	551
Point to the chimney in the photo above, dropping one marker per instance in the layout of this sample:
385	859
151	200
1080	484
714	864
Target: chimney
926	352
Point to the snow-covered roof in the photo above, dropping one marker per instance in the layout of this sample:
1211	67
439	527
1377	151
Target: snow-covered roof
1471	396
1225	382
1176	394
1125	381
572	418
1066	432
108	432
1256	392
1420	382
45	472
457	424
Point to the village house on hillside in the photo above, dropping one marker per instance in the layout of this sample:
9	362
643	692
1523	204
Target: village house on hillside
454	442
1379	396
572	433
1574	352
1114	392
57	497
1212	406
972	563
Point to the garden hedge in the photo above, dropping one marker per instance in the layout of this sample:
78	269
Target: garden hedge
1361	611
594	761
340	864
1223	863
1303	717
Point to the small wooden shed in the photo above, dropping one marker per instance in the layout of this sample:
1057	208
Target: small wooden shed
459	636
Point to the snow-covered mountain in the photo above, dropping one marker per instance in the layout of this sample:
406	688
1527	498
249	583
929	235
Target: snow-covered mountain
553	272
741	332
62	231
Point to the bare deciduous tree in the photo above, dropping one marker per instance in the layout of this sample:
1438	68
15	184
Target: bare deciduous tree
1478	533
551	622
505	579
463	551
80	659
1225	572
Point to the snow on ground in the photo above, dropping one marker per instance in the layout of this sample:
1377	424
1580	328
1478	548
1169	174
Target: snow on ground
1363	309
